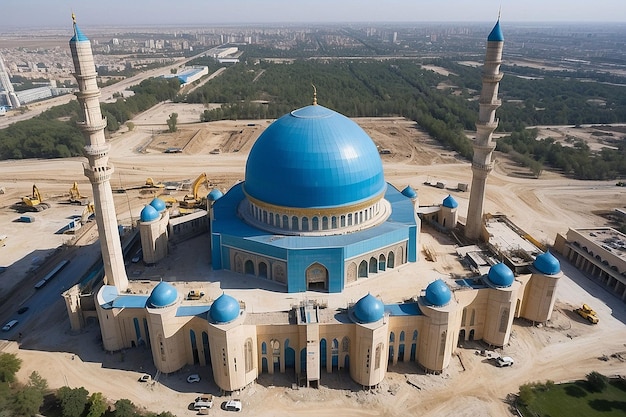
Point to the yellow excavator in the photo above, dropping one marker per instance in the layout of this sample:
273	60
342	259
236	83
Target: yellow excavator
34	202
87	213
194	200
76	197
150	183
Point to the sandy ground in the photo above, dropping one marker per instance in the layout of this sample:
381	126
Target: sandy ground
567	348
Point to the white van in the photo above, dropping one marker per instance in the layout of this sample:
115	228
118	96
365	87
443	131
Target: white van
9	325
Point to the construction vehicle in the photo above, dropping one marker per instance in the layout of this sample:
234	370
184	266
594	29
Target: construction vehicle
76	197
588	313
150	183
195	295
194	200
88	212
32	202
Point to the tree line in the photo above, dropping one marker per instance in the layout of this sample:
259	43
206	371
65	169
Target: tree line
55	134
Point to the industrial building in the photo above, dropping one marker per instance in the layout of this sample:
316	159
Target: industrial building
314	213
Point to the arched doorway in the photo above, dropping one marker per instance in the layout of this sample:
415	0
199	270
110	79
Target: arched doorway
373	265
317	277
263	270
363	269
249	267
382	265
390	260
290	356
461	336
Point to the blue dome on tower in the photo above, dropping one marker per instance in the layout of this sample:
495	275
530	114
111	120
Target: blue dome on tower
163	295
547	264
78	35
214	195
496	33
149	214
368	309
438	293
158	204
501	275
450	202
314	157
224	310
409	192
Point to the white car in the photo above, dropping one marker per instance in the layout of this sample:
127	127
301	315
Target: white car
503	361
9	325
145	378
193	378
233	405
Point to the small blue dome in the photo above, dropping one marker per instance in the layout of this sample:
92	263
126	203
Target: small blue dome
496	33
214	195
450	202
501	275
368	309
409	192
224	310
158	204
149	214
438	293
163	295
547	264
314	157
78	35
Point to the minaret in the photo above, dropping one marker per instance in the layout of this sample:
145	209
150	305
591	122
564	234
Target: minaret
97	152
486	124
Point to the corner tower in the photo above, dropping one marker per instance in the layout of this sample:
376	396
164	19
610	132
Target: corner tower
97	152
483	146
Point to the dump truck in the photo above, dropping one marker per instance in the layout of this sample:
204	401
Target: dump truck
588	313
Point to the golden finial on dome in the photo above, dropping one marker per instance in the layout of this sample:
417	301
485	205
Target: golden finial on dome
314	94
73	18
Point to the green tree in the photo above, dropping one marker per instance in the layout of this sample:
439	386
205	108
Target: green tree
130	126
124	408
97	405
37	381
73	401
9	365
171	122
27	401
597	382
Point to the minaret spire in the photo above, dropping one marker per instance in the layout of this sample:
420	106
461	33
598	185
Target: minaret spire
484	145
97	168
314	94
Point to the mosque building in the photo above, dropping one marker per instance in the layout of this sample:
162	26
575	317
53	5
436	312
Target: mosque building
315	213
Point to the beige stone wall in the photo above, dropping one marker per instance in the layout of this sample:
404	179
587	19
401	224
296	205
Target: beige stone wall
499	315
370	353
539	297
154	238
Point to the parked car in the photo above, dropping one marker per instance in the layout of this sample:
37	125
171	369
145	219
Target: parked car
145	378
193	378
9	325
503	361
202	402
22	310
233	405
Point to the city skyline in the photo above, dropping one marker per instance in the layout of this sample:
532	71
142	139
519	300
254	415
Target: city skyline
55	14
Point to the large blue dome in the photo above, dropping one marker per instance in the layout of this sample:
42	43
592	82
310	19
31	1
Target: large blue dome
163	295
224	310
501	275
438	293
547	264
368	309
148	214
314	157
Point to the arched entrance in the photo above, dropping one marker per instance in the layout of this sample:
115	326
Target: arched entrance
363	269
249	267
263	270
317	277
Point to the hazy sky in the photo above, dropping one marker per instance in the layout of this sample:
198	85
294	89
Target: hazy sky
55	13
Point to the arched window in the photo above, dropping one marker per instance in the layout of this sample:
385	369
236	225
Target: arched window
334	222
373	265
324	223
377	357
294	223
391	260
285	224
363	269
248	355
345	345
305	224
315	223
350	219
504	320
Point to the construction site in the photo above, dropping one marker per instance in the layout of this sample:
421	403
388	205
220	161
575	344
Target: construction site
544	206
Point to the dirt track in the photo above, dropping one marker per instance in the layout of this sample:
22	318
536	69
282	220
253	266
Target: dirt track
566	349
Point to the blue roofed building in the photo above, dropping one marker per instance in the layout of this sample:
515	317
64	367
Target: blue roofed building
314	211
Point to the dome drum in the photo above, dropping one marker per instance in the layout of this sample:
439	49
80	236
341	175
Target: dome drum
290	221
